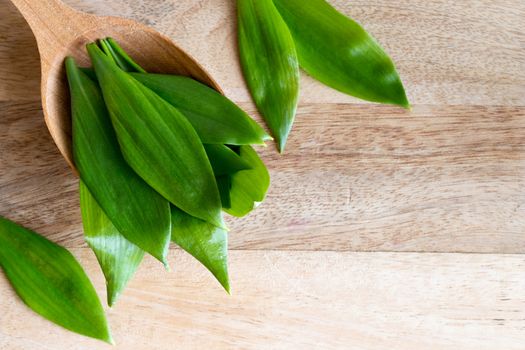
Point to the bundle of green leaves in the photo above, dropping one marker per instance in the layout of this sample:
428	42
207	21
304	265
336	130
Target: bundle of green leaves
159	157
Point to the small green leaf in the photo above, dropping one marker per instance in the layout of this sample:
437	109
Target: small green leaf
118	257
158	142
248	187
207	243
270	64
224	161
216	119
136	210
51	281
337	51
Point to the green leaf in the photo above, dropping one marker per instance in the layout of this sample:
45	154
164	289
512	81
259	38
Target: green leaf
136	210
216	119
249	187
269	63
118	257
224	161
337	51
207	243
51	281
158	142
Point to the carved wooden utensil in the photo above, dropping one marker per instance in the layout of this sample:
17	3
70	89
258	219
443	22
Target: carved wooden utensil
61	31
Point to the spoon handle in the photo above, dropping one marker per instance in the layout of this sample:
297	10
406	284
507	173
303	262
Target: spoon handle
53	24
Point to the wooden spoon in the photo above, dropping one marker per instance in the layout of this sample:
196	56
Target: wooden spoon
61	31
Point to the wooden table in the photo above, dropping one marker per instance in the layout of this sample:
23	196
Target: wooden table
383	229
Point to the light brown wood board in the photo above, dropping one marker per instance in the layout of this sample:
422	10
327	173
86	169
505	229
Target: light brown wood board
448	176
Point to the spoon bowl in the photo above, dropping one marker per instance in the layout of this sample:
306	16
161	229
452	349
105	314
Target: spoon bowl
61	31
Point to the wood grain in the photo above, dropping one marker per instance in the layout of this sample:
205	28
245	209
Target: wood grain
448	176
365	178
302	300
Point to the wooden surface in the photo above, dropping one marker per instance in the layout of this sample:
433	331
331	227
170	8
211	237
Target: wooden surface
302	300
373	228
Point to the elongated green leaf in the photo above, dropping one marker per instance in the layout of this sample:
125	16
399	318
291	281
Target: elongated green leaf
207	243
248	187
158	142
224	161
51	282
216	119
118	257
136	210
270	65
339	52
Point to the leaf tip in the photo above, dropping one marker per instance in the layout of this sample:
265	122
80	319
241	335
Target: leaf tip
112	295
266	137
226	285
163	257
403	102
281	144
109	339
281	135
406	105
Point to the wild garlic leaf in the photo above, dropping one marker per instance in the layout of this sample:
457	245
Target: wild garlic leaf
137	211
118	257
205	242
270	65
158	142
51	281
248	187
337	51
216	119
224	161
